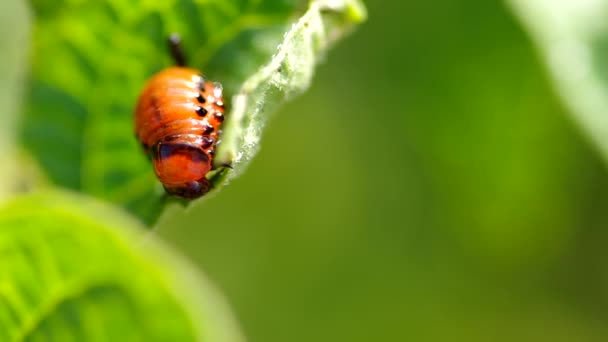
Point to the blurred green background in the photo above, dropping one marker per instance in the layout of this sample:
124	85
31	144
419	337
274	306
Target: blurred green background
429	187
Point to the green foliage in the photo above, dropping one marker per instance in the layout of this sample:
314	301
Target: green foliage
75	270
14	19
575	47
74	264
92	58
288	73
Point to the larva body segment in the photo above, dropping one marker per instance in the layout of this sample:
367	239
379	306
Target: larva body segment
177	121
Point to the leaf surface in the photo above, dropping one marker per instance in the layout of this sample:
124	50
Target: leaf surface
14	24
92	58
572	37
75	270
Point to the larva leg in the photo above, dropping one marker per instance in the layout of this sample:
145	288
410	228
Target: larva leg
175	46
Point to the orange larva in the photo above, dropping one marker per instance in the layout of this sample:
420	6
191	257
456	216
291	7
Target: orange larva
177	120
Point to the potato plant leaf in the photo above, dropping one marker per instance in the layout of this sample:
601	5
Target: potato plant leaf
572	37
14	24
287	74
77	270
91	59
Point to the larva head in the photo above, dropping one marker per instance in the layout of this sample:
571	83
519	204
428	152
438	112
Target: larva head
181	167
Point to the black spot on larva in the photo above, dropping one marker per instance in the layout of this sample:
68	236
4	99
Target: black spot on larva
207	129
219	116
201	99
206	142
200	111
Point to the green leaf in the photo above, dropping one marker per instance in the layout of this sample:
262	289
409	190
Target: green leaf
75	270
14	24
287	74
90	61
572	37
92	58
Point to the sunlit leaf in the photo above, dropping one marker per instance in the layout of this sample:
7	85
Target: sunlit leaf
14	25
287	74
572	37
75	270
92	58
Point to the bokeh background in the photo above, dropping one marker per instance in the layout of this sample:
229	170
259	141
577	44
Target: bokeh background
429	187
